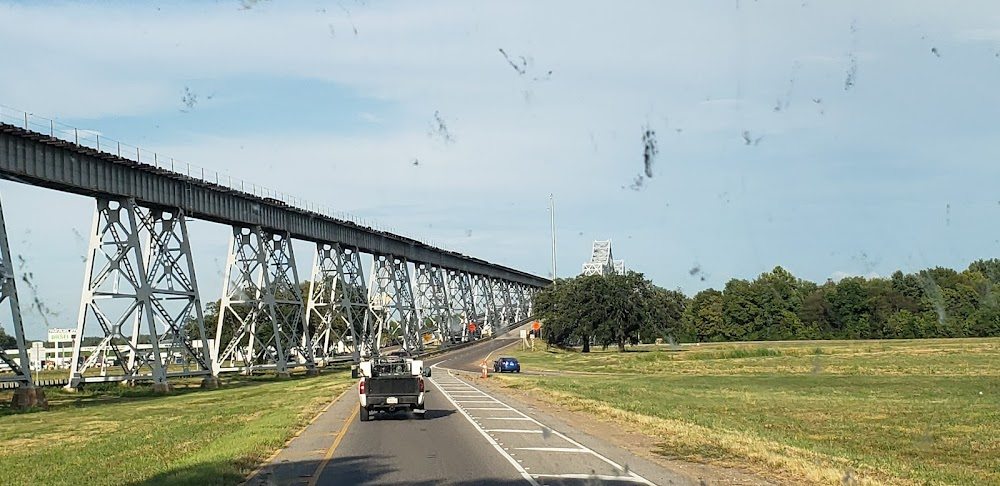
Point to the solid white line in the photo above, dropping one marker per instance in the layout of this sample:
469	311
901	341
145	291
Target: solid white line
477	401
481	408
506	418
591	476
553	449
496	446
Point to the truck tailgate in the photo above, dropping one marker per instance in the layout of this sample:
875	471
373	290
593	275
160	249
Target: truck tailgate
392	386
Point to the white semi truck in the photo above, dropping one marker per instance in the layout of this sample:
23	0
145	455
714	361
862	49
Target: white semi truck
390	384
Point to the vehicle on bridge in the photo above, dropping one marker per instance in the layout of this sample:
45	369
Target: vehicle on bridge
390	384
506	364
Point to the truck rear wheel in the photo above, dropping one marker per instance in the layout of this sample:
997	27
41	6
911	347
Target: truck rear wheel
364	414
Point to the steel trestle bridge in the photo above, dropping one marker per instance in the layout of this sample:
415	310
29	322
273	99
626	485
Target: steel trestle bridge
140	280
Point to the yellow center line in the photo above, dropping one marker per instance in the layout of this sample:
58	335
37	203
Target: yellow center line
333	448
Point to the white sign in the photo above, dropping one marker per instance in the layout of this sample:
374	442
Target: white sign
38	353
524	333
62	335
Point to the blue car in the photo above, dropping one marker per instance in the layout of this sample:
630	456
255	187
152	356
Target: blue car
506	364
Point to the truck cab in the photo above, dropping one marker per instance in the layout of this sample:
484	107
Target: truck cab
389	384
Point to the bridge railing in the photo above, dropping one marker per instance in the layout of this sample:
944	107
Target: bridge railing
97	141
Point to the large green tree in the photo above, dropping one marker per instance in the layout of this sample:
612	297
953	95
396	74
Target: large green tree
607	310
703	318
667	313
7	341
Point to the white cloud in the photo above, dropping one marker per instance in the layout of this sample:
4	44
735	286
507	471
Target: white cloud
368	117
980	35
616	67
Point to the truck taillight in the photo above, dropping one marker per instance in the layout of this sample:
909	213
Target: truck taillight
361	387
421	385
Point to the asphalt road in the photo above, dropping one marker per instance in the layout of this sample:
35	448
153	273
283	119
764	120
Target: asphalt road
469	436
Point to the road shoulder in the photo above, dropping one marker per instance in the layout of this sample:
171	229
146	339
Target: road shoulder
300	460
626	445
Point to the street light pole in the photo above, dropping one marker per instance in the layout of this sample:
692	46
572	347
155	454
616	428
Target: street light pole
552	215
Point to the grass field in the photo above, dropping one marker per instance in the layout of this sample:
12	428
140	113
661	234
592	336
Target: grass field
865	412
111	434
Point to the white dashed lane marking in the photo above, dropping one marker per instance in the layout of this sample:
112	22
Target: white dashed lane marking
514	462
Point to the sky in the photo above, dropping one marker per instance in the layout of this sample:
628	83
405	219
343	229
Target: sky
831	138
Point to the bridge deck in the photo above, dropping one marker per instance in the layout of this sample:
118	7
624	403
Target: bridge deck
37	159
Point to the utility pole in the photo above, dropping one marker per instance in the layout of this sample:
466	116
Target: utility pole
552	216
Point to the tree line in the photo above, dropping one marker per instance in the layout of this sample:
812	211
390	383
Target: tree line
621	309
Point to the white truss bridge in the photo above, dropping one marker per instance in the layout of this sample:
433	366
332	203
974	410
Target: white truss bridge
602	262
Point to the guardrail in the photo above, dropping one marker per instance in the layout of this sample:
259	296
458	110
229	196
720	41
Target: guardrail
95	140
10	385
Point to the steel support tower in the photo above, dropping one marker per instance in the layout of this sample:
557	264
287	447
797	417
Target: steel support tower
431	298
460	303
324	315
353	298
262	317
501	296
27	395
483	302
391	298
140	290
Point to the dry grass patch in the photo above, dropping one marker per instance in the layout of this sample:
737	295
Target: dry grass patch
916	412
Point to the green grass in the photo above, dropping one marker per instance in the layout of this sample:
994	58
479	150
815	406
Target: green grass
111	434
914	412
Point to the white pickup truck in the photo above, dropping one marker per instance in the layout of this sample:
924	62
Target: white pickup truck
391	383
